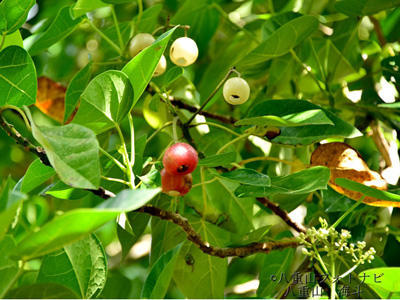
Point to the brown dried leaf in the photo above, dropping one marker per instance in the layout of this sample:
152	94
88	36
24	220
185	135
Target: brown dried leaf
345	162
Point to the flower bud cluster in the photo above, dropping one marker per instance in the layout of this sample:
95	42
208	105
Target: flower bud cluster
328	239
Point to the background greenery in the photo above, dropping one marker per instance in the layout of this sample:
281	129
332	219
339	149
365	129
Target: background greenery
342	56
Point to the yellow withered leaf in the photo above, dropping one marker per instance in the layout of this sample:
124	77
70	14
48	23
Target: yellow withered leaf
345	162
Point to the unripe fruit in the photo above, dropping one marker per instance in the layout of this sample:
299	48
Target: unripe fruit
175	185
183	52
139	42
161	67
180	159
236	91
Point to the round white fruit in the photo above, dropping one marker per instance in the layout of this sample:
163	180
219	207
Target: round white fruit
161	67
183	52
236	91
139	42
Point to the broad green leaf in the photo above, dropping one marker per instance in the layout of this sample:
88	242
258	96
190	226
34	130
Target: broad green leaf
82	7
8	267
81	267
126	239
63	191
13	39
199	275
302	182
203	19
364	7
149	20
117	1
217	160
73	151
309	117
42	291
141	68
62	26
382	278
36	174
75	224
275	264
305	134
366	190
281	41
75	89
105	101
248	176
140	145
18	82
13	14
159	278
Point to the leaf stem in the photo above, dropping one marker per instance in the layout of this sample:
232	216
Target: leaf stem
231	70
106	38
174	131
276	159
132	130
3	39
347	212
140	13
158	130
115	20
245	135
113	159
129	172
216	125
116	180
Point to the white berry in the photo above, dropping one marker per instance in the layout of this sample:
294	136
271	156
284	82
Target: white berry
139	42
236	91
183	52
161	67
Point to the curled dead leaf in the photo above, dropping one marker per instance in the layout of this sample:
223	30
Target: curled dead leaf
50	99
345	162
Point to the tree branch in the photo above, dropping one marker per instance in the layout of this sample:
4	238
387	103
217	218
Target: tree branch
281	213
204	246
378	30
381	143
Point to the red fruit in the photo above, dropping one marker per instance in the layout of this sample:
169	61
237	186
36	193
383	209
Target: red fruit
180	159
175	185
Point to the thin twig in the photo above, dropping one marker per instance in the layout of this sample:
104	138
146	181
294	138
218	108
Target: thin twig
204	246
381	143
378	30
281	213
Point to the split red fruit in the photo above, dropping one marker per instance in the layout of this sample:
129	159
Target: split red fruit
180	159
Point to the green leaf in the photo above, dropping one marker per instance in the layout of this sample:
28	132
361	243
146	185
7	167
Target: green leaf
75	90
199	275
141	68
364	7
281	41
218	160
75	224
81	267
159	278
275	264
13	14
62	26
203	19
7	216
42	291
253	236
366	190
73	151
13	39
382	278
105	102
306	134
82	7
149	20
36	174
248	176
8	267
309	117
302	182
18	83
61	190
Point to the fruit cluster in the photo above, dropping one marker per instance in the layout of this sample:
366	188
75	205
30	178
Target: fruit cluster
179	161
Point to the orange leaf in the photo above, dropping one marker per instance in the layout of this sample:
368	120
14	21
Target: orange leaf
345	162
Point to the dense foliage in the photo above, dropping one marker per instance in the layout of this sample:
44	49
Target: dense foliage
289	188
